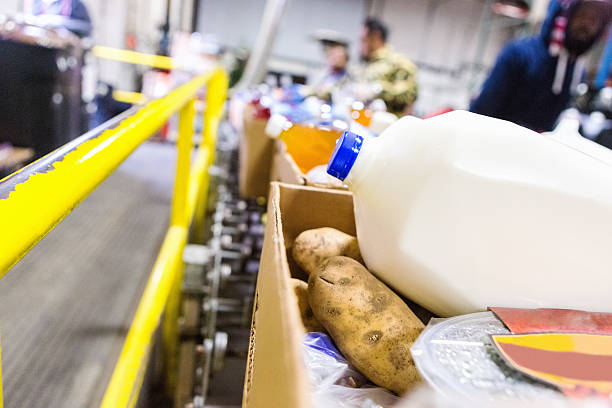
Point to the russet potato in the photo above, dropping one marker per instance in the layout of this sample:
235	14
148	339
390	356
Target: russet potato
370	324
312	247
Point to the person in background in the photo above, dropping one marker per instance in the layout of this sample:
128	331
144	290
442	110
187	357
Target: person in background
334	75
75	12
385	74
532	79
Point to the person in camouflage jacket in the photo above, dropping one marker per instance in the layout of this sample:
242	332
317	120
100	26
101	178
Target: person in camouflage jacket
385	74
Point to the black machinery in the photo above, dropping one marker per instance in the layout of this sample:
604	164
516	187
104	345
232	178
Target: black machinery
40	86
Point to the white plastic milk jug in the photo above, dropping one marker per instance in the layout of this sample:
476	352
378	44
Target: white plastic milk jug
460	212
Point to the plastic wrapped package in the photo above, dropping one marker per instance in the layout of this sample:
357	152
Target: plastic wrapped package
456	357
335	382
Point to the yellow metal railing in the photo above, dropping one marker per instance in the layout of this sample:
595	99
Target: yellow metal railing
65	177
130	97
134	57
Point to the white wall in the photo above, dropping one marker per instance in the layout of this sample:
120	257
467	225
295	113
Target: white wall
10	6
438	32
236	23
109	26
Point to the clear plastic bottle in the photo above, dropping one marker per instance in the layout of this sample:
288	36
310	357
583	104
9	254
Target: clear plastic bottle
460	212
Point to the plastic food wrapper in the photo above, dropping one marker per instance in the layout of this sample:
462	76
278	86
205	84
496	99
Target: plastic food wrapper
335	382
456	356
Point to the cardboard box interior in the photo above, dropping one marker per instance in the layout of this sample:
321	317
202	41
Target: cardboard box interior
286	170
276	375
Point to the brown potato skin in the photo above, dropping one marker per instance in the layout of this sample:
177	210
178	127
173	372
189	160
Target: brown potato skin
311	324
370	324
312	247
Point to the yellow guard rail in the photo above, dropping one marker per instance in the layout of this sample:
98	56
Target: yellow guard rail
67	175
134	57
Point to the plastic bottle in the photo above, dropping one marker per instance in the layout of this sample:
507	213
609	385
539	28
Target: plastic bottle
381	120
460	212
309	145
305	111
374	117
361	114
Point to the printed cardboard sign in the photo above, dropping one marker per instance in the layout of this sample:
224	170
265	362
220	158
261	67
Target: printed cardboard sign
579	364
571	349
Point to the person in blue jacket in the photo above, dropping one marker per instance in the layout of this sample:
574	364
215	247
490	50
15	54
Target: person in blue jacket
531	80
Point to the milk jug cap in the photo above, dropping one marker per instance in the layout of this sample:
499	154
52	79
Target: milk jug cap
344	155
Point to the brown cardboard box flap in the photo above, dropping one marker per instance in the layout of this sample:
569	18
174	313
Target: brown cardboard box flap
284	168
276	375
255	156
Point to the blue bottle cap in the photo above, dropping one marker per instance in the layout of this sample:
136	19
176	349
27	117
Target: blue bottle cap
344	155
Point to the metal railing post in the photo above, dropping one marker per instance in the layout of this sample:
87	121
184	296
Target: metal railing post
170	327
180	217
124	386
215	98
183	162
216	94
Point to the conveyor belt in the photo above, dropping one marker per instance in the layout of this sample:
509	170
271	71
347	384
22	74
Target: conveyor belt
66	307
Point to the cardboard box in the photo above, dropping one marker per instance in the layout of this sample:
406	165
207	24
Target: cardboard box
276	375
255	156
286	170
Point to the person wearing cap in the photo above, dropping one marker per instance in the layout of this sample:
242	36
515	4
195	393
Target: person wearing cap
334	75
384	74
532	79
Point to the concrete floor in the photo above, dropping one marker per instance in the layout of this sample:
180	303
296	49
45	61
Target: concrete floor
65	308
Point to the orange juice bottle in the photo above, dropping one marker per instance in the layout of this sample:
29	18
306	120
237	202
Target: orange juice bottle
361	114
308	144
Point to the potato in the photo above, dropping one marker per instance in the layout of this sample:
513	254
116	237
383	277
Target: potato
370	324
311	324
312	247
